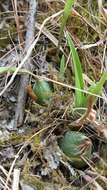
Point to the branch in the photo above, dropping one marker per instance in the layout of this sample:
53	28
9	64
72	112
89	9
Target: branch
19	113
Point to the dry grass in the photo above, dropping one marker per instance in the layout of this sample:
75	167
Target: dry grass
44	125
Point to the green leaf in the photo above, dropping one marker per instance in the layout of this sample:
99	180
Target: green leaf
7	69
11	70
79	83
98	87
67	11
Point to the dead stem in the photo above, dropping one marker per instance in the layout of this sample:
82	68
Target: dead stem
19	114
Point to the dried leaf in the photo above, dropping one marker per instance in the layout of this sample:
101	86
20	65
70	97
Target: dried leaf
104	13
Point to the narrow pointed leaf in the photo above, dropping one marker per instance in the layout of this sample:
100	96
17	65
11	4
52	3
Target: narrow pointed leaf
67	11
11	70
98	87
79	83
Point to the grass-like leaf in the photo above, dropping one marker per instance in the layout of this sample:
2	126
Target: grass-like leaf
6	69
79	83
11	70
97	87
67	11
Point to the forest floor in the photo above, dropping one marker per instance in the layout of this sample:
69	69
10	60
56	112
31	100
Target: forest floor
31	128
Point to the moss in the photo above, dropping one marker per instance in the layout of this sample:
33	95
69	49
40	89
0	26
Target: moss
14	139
31	179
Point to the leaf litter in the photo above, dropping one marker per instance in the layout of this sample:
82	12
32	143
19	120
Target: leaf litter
33	147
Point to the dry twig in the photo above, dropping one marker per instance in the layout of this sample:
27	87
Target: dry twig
19	114
16	174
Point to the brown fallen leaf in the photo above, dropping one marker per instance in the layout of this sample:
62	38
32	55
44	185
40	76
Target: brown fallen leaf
31	93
